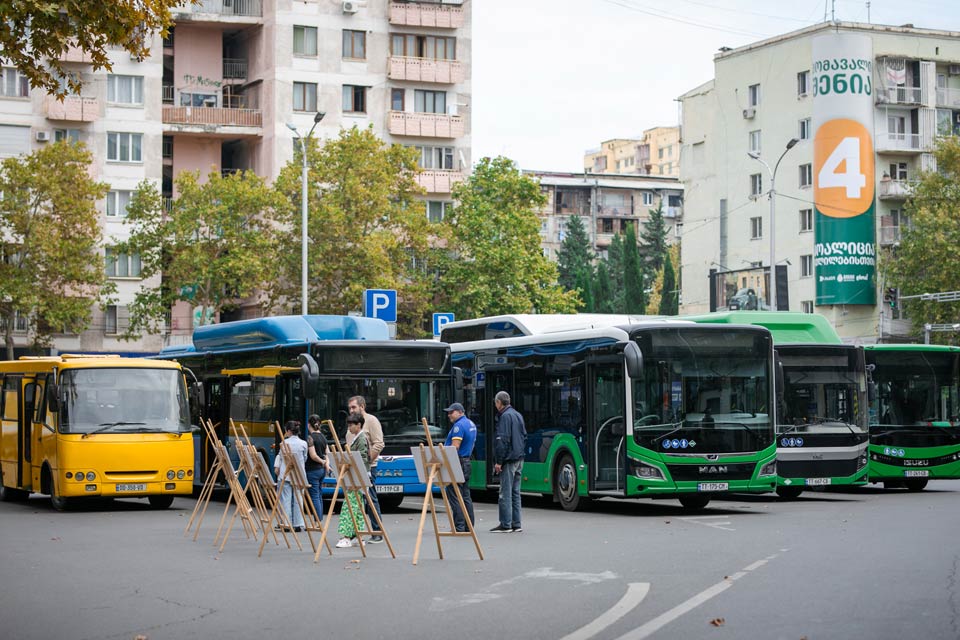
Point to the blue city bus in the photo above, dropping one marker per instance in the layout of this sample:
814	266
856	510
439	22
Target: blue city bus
267	370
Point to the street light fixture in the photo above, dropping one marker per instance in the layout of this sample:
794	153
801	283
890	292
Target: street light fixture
773	195
303	206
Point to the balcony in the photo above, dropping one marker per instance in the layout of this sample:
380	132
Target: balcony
895	189
425	125
167	93
247	11
899	95
435	181
234	69
898	142
615	212
426	70
72	109
76	54
889	235
207	120
411	14
948	97
673	212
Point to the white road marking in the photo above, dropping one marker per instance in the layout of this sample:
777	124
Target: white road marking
446	603
636	592
707	521
664	619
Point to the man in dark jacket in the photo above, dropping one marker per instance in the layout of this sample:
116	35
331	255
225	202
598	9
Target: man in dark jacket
509	448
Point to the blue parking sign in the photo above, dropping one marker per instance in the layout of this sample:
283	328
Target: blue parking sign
439	320
380	303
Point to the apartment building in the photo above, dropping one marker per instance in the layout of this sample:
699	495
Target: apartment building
759	99
655	153
608	204
221	91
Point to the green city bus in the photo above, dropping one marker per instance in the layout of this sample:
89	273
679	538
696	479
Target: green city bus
624	407
914	418
822	428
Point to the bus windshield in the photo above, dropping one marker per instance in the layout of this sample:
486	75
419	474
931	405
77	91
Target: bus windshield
703	392
399	404
915	390
822	390
123	400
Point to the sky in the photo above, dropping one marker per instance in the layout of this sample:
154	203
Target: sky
554	78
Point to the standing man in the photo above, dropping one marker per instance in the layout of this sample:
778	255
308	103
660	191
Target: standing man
462	436
509	448
289	502
374	433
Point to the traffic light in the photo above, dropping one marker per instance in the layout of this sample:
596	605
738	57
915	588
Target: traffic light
890	297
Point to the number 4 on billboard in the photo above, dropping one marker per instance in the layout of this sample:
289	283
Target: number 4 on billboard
848	154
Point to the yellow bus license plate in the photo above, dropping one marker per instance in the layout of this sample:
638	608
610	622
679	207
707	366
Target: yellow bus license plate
131	487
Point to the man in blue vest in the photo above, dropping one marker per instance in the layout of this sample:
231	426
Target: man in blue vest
462	436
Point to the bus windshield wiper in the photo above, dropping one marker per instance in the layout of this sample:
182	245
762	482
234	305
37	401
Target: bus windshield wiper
824	420
677	427
103	426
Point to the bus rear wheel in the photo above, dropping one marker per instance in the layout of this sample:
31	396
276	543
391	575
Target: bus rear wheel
694	501
58	502
565	484
789	493
160	502
915	484
389	502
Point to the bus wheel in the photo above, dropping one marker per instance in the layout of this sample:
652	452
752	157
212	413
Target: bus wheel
789	493
694	501
565	484
915	484
892	484
58	502
160	502
12	495
389	502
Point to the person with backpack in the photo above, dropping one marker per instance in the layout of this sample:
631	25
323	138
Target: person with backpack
317	465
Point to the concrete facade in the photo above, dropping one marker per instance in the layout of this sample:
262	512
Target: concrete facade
760	98
655	153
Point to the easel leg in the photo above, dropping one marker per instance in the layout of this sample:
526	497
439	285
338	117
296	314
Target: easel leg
427	503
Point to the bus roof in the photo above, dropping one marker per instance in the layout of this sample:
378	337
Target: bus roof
786	327
277	331
942	348
530	324
69	361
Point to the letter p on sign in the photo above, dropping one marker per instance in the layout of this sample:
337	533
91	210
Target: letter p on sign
380	303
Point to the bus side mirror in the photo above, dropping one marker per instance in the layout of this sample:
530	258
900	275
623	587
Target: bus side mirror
634	359
309	375
458	384
871	385
780	379
53	397
196	395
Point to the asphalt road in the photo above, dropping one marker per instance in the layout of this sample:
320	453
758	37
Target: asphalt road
860	564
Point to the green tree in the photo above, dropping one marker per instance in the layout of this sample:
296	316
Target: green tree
215	247
584	286
926	260
51	264
633	277
602	295
366	229
574	255
37	33
669	304
495	264
616	270
653	241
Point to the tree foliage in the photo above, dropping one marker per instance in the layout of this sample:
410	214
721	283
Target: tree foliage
495	264
926	260
653	241
216	246
633	276
602	294
35	34
574	258
669	294
366	229
616	270
51	267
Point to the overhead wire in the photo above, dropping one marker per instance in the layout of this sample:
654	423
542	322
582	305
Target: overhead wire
629	4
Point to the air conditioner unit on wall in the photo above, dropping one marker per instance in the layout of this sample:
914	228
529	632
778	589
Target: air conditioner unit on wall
350	7
749	113
43	136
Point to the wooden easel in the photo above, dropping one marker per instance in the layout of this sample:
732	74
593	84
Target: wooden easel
351	476
437	467
260	486
203	500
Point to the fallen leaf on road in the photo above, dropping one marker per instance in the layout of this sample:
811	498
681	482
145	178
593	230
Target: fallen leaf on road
55	538
717	622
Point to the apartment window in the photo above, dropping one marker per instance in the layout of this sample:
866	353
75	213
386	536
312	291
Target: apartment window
804	129
756	228
125	89
166	149
898	171
117	203
754	141
429	101
803	83
806	175
436	157
806	306
355	44
806	265
305	96
124	147
121	265
110	319
70	135
756	184
660	153
14	84
647	198
304	40
753	95
354	99
896	127
198	99
397	99
433	47
437	210
806	219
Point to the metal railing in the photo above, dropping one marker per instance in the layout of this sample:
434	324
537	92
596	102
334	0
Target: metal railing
895	188
244	8
234	69
167	93
213	116
900	95
898	141
889	235
948	97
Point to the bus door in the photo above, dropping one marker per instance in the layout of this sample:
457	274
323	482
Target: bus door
494	380
606	424
216	409
13	412
289	404
25	426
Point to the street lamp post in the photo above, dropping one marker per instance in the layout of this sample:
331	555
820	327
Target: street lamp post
773	198
303	207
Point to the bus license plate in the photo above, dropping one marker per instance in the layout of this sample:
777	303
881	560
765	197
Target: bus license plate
817	482
131	487
916	473
389	488
713	486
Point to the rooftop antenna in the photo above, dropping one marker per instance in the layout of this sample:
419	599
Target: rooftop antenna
868	13
833	11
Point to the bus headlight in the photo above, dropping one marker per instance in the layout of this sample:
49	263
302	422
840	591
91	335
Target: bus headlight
91	476
170	474
79	476
862	462
769	469
180	474
644	470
